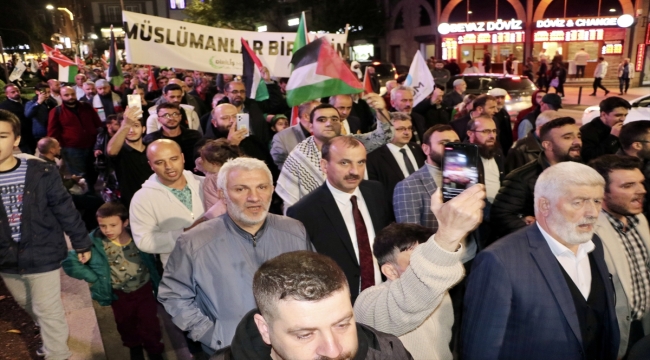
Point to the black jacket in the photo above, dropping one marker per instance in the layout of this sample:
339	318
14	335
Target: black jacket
460	126
597	140
503	123
47	213
452	99
419	127
433	114
515	199
383	167
248	344
324	223
524	151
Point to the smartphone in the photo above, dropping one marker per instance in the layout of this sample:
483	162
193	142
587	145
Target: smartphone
459	169
244	122
134	101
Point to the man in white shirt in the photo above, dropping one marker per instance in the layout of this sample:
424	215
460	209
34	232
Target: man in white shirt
482	131
552	273
55	90
343	215
79	80
349	124
599	74
581	62
396	160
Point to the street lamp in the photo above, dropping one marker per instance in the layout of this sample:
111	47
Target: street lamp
49	7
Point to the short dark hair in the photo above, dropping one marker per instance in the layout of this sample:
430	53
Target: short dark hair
482	100
172	87
219	151
434	129
347	140
633	132
605	164
609	104
41	86
319	107
167	106
297	275
112	208
396	238
12	119
553	124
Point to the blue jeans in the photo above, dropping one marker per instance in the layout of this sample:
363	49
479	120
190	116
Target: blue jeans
76	160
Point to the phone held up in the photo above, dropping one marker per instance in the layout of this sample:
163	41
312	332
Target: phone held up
459	169
243	122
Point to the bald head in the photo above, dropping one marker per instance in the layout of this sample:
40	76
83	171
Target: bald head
167	161
161	145
49	147
180	83
223	116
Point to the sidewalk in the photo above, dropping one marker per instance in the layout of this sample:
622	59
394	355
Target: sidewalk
570	99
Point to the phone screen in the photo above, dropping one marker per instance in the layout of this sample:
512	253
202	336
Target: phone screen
459	169
243	122
134	100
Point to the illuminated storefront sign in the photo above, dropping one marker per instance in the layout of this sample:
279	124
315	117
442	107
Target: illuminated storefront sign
568	35
612	47
449	48
640	54
490	38
623	21
480	26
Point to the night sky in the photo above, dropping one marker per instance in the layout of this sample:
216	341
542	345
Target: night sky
484	10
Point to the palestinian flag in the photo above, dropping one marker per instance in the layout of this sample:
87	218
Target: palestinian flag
301	40
367	84
318	72
67	73
114	68
255	85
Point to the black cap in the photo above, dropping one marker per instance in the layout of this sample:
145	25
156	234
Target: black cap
553	99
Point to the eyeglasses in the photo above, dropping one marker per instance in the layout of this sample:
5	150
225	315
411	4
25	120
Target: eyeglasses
170	115
487	132
237	92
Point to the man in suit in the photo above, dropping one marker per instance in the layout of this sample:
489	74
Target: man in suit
343	215
412	196
396	160
544	292
287	139
401	99
626	240
349	124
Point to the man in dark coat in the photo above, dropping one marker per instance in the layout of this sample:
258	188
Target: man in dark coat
600	136
16	105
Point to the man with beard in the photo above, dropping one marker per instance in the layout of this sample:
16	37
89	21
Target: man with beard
173	94
89	92
482	105
55	88
455	97
483	132
343	215
502	119
529	147
401	99
128	156
544	292
624	232
16	105
635	141
106	103
168	202
169	116
513	207
302	172
412	196
200	272
75	125
294	322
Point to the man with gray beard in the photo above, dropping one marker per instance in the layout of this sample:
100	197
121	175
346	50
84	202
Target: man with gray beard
544	292
206	286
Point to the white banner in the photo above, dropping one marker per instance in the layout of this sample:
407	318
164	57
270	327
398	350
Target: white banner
154	40
18	71
419	78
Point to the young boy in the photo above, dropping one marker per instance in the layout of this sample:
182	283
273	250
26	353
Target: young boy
124	278
34	212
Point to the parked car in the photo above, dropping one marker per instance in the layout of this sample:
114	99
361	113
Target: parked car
640	110
385	71
520	89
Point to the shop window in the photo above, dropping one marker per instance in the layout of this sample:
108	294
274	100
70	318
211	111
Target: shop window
399	21
425	20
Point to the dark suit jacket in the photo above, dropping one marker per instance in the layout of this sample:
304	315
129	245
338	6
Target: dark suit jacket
525	150
419	126
503	123
460	126
597	140
518	304
326	228
383	167
355	125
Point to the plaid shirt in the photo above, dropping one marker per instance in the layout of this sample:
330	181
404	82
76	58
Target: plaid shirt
637	257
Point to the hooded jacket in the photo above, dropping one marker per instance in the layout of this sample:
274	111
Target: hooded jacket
158	218
248	344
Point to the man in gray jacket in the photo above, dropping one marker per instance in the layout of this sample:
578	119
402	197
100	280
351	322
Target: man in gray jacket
206	287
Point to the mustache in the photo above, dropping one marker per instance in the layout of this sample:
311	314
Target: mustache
352	177
575	147
590	220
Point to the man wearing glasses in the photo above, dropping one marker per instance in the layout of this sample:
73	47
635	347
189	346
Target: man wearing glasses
483	132
169	117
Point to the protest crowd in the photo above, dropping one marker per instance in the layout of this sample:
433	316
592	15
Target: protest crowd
274	230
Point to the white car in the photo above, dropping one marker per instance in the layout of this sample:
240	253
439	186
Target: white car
640	111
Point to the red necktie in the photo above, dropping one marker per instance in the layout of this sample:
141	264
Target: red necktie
365	253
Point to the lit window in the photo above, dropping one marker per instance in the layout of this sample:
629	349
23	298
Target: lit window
177	4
